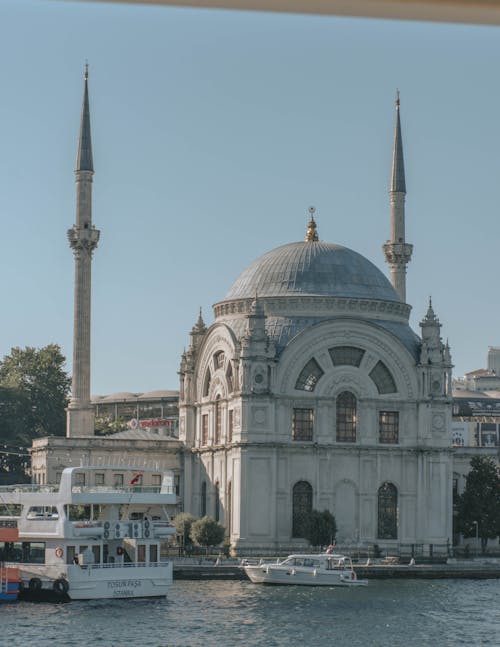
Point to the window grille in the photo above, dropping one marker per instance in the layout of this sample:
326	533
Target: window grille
387	511
346	355
388	425
309	376
302	424
383	379
346	418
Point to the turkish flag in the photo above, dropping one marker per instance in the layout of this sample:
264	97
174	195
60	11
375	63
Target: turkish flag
136	478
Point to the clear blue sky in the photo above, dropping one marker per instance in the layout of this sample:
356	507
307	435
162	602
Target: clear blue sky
213	131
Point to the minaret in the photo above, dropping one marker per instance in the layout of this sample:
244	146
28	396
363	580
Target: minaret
83	239
397	251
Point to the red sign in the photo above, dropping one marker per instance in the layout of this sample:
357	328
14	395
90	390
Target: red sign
158	422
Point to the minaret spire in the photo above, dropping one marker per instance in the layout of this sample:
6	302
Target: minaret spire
397	251
83	238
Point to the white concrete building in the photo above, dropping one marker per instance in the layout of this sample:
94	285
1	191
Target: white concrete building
310	391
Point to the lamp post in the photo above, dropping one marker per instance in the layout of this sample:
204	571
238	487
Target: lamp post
475	523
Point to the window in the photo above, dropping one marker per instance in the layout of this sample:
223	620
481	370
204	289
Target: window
153	553
383	379
156	480
80	478
229	377
229	507
99	478
219	360
346	355
301	507
118	480
206	383
309	376
217	503
218	421
302	424
346	418
387	511
388	427
230	424
204	429
203	502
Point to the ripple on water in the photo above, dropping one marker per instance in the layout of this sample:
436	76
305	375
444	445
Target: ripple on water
413	613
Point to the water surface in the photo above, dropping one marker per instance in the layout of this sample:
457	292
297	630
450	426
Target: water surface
393	613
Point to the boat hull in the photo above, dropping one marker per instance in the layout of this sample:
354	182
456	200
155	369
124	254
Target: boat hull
273	574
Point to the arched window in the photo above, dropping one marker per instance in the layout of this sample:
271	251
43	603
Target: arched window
206	383
217	503
229	516
346	355
203	502
346	418
301	507
229	377
309	376
383	379
387	511
217	421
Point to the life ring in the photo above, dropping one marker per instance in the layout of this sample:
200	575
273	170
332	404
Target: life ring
59	552
119	550
61	586
35	584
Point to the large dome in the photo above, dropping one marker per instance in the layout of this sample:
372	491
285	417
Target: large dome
312	268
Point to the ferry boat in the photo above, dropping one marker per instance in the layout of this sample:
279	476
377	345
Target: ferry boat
9	575
308	570
82	541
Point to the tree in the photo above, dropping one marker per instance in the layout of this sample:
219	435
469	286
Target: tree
207	532
321	528
34	389
480	501
183	523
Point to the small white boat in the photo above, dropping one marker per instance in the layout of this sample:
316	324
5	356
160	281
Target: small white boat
82	541
308	570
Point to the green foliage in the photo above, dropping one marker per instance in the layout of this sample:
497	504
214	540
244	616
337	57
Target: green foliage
321	528
105	425
183	523
207	532
480	501
34	392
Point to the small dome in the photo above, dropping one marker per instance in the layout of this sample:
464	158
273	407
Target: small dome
312	268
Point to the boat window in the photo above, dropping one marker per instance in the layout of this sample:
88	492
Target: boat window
33	552
43	512
105	553
153	553
141	552
99	478
78	512
117	480
70	554
96	549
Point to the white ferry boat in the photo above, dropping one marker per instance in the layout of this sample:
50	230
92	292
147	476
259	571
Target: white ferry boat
85	542
307	570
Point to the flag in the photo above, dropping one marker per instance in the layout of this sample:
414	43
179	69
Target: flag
136	478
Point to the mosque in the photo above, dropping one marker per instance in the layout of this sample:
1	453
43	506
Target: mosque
309	391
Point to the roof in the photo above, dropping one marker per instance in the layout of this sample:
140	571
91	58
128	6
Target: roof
312	268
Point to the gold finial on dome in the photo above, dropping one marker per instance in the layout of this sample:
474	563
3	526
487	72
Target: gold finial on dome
312	234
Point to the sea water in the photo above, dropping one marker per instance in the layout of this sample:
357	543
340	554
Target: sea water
386	613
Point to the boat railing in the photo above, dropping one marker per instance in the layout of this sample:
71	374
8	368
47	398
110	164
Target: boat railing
112	565
28	487
127	489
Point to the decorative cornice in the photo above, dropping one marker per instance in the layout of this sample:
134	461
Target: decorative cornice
314	306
